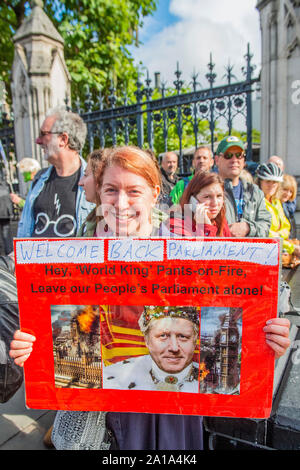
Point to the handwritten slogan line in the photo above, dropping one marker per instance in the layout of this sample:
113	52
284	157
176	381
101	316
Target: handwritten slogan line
260	253
60	251
92	251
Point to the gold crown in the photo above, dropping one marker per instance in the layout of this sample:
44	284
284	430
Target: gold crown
157	312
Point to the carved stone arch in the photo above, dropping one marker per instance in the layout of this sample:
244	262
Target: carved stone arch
292	14
273	19
20	77
272	24
292	47
292	26
296	7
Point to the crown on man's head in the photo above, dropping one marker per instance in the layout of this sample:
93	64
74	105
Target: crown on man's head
158	312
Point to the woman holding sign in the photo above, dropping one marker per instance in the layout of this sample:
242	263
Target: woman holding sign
129	186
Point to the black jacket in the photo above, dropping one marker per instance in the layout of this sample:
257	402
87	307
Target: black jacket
6	206
11	375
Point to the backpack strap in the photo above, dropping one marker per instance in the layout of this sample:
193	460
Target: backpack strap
186	181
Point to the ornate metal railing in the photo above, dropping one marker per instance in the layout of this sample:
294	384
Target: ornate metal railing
142	121
7	134
7	137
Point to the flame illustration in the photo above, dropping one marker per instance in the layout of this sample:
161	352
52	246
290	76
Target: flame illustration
86	318
203	372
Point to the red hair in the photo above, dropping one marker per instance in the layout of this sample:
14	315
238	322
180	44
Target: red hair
133	159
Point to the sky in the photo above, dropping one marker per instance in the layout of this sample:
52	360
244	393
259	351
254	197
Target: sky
187	31
210	322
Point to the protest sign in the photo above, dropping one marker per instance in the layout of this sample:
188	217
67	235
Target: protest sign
160	325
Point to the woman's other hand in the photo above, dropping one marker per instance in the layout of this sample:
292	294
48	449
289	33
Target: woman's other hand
277	335
21	347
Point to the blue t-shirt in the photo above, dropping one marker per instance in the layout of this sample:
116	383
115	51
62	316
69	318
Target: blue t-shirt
238	193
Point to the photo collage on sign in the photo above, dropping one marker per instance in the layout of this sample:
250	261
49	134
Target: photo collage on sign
186	349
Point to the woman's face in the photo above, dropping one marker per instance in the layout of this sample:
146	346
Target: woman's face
286	194
269	188
87	181
213	198
126	201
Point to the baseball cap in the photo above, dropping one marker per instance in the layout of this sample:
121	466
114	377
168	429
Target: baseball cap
229	141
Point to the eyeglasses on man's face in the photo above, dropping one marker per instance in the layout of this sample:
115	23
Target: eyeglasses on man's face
230	155
44	133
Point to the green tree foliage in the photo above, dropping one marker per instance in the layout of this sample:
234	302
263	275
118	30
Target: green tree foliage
97	34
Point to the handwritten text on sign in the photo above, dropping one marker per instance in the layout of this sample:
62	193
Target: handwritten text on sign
92	251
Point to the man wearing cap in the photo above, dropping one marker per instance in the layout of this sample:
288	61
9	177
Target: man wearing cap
246	211
171	335
202	161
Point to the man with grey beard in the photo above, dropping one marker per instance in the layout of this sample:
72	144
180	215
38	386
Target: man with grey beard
169	165
55	205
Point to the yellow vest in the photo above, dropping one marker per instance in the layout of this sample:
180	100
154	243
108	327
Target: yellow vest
280	226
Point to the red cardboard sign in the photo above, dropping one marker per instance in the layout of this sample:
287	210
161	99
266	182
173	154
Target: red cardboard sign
154	326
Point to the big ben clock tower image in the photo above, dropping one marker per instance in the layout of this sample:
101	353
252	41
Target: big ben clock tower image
229	339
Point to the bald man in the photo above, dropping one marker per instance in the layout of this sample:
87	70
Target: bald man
169	166
278	161
203	160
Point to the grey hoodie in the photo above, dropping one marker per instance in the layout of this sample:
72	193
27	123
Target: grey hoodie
255	212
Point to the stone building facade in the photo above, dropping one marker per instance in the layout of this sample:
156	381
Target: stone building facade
280	81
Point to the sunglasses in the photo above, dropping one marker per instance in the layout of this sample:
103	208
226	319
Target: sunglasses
229	156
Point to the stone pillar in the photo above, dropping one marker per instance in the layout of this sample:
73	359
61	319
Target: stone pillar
280	111
40	79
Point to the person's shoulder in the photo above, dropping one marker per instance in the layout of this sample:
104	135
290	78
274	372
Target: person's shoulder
253	188
179	184
40	174
125	365
277	203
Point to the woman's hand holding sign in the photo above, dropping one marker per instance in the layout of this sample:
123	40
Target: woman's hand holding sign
21	347
277	335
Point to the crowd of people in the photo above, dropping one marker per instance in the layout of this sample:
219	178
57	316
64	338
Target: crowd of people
118	193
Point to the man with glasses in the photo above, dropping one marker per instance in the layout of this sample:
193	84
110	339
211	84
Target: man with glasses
246	210
55	205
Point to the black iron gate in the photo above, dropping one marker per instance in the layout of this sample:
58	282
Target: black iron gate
140	122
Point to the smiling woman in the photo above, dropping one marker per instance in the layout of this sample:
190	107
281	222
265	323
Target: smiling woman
129	185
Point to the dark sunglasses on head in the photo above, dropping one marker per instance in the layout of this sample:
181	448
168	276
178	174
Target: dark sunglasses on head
229	155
